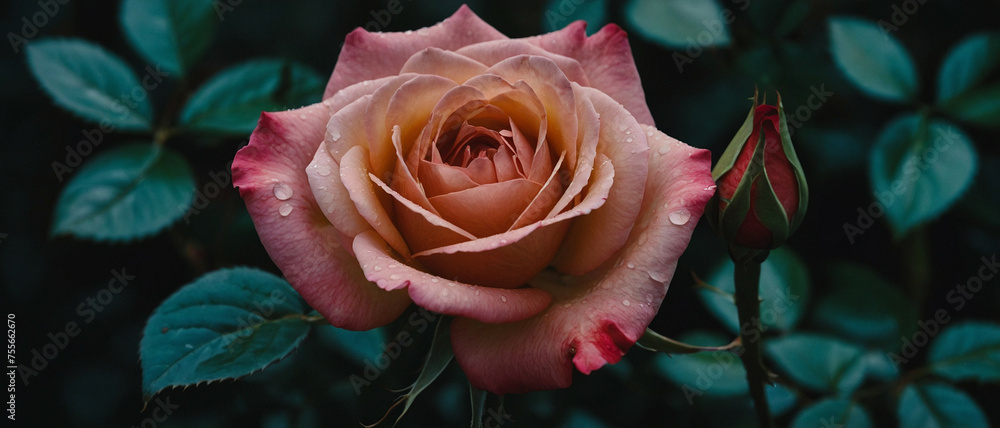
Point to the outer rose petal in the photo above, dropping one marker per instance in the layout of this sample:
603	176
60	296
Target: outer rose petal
594	319
606	58
367	56
491	305
303	244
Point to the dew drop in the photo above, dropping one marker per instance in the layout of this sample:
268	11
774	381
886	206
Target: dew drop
435	280
628	140
393	277
712	187
285	209
628	132
323	170
626	302
664	149
377	268
503	242
477	292
452	284
643	238
680	218
392	266
335	133
630	265
282	191
302	116
503	299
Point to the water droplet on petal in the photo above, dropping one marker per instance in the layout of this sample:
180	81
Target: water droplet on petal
628	131
323	170
282	191
377	268
285	209
680	218
393	276
435	280
630	265
503	298
302	116
335	133
628	140
712	187
626	302
664	149
643	238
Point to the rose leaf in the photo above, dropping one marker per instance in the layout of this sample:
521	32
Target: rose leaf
126	193
227	324
938	405
833	412
919	168
232	101
169	33
91	82
873	59
969	351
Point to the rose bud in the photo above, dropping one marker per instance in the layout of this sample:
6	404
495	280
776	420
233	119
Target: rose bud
762	194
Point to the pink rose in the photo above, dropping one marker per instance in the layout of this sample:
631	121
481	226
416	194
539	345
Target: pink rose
516	184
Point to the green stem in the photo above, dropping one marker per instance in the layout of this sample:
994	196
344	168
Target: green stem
747	277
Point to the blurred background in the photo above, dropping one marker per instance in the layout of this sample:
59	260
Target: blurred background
860	278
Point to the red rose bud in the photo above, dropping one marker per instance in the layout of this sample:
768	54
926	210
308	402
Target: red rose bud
762	194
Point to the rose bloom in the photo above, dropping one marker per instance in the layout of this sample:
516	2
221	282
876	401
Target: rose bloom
518	185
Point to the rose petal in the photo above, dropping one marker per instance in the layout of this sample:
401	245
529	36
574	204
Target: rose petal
607	59
487	209
302	243
331	195
356	62
593	238
495	261
422	228
458	68
354	175
489	305
556	93
440	179
493	52
594	319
